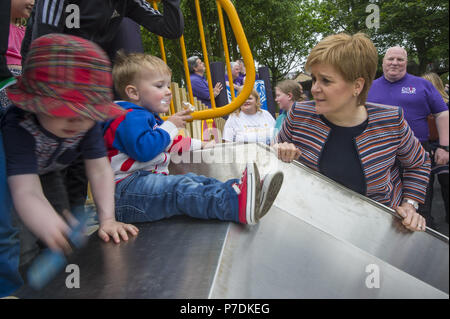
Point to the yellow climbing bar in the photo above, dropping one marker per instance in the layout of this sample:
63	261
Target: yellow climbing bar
241	39
225	48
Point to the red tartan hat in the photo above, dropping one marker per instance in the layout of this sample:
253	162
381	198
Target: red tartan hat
66	76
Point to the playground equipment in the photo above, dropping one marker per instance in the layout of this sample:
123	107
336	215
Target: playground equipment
319	240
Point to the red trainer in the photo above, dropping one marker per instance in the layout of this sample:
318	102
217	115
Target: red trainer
249	190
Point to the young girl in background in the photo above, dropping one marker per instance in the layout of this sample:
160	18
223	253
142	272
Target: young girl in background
250	123
286	94
20	11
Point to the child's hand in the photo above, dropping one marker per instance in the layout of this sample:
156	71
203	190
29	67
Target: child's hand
209	144
53	231
180	118
116	230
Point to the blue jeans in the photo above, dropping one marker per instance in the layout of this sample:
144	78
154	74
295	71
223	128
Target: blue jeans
10	279
144	197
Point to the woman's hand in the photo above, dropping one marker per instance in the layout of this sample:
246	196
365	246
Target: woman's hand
287	152
411	219
116	230
440	156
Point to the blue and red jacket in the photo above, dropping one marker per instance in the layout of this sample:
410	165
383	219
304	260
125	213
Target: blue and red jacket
141	140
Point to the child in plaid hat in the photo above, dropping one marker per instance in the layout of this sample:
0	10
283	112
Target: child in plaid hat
139	147
64	90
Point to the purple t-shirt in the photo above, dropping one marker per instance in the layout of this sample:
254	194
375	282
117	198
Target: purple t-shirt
417	96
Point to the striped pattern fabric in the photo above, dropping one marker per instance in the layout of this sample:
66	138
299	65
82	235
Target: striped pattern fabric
66	76
52	12
386	142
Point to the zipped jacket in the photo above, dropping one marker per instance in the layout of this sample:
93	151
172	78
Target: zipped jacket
99	20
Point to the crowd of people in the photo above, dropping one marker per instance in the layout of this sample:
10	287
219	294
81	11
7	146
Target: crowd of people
61	129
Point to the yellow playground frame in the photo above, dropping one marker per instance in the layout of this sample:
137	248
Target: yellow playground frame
238	31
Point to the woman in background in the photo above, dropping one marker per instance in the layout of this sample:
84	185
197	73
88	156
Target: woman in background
441	171
20	12
287	93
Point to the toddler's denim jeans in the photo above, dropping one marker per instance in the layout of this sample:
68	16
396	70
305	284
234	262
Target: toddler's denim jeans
144	197
10	279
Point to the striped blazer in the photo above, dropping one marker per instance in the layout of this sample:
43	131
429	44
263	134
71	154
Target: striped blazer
386	142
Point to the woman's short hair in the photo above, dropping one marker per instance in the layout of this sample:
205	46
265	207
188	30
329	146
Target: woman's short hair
353	56
128	67
293	87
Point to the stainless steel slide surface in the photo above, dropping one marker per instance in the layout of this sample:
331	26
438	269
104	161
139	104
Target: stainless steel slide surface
319	240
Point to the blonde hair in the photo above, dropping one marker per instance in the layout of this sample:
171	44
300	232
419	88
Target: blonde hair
128	67
438	84
255	94
353	56
290	86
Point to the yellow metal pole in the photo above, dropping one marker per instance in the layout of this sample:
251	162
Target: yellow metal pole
160	39
205	53
163	56
247	56
186	70
225	48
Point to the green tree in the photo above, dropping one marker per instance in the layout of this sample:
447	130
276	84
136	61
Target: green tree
420	26
191	36
280	34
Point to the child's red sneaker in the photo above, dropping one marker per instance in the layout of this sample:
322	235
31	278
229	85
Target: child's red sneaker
271	185
249	190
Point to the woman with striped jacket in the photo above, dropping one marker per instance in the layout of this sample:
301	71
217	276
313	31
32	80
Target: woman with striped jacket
366	147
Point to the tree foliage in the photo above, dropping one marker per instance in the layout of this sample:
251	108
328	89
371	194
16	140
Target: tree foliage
419	26
281	33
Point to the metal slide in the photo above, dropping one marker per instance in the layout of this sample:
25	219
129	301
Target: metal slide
319	240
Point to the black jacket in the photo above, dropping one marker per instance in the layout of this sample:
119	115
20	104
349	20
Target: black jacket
100	19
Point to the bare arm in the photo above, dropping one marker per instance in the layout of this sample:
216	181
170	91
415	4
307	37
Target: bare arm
37	213
101	178
441	156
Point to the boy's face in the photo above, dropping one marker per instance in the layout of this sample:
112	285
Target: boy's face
153	92
65	127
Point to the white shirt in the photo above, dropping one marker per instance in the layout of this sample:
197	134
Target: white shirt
257	127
